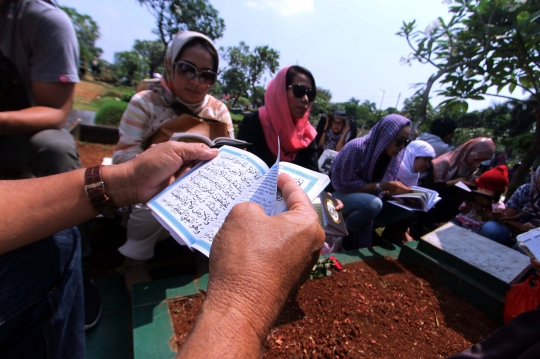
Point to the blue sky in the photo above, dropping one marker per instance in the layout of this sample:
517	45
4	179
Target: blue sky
349	45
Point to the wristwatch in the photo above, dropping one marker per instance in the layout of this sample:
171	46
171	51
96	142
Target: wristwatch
95	190
378	189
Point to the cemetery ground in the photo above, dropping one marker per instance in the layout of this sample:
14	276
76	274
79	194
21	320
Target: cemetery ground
376	307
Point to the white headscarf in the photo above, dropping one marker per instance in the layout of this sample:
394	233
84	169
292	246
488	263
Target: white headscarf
417	148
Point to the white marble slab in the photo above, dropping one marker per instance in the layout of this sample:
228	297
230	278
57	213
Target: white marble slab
500	261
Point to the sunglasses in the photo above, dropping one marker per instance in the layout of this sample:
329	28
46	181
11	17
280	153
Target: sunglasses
187	70
403	143
300	91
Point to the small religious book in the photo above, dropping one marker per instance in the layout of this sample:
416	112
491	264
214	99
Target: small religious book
480	198
530	242
330	219
325	161
195	206
216	143
419	199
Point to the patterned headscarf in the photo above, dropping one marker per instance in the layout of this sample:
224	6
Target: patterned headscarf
353	166
276	120
452	165
173	50
417	148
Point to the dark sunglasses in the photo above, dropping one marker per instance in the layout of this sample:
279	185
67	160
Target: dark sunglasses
404	143
300	91
187	70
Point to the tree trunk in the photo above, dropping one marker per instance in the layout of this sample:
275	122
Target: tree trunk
521	173
423	106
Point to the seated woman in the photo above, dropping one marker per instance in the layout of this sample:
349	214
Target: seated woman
180	104
417	158
364	172
449	169
334	130
522	213
285	115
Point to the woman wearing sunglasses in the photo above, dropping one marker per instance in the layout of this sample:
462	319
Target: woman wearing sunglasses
285	115
180	103
365	172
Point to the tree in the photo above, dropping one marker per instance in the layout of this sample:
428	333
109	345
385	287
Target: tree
87	32
234	83
250	66
321	105
127	63
487	46
152	52
173	16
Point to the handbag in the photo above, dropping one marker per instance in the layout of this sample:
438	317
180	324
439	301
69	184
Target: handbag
521	298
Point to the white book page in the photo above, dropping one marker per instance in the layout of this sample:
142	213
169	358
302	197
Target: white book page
196	205
531	240
313	183
463	186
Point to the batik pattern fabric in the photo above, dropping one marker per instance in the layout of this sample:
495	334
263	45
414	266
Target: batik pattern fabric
353	166
533	206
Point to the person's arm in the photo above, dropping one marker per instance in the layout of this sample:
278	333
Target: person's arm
343	138
392	187
52	106
250	280
36	208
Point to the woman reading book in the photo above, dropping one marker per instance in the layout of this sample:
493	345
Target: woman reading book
364	172
285	115
417	158
449	169
180	103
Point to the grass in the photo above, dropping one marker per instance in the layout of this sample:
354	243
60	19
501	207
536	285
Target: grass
91	95
237	117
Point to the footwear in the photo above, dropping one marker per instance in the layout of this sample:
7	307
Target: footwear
92	303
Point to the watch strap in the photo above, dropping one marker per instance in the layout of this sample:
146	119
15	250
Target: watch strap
95	190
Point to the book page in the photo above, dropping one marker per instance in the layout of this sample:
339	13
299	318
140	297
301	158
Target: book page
531	241
313	183
196	205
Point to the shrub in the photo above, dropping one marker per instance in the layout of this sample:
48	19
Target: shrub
243	102
110	113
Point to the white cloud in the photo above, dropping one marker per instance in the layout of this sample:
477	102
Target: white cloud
284	7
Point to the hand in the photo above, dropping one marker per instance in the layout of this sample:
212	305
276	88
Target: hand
257	260
525	227
347	128
339	203
141	178
395	187
327	123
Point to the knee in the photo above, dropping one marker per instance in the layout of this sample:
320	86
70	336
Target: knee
496	232
54	142
375	206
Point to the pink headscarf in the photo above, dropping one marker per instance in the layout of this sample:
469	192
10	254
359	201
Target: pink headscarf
276	121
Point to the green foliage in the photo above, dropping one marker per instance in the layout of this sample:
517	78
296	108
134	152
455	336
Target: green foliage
110	113
462	135
247	67
127	63
173	16
87	32
152	52
243	102
321	105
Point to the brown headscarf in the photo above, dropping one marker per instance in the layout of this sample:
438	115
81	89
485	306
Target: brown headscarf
452	165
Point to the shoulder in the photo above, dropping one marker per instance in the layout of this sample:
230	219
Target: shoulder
520	197
49	18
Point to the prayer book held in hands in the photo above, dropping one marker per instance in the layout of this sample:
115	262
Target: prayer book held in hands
330	219
480	198
530	242
419	199
216	143
194	207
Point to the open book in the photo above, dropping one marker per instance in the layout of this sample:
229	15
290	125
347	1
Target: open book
480	198
420	199
331	221
216	143
325	161
530	242
194	207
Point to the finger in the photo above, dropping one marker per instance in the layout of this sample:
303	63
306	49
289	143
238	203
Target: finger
294	196
193	151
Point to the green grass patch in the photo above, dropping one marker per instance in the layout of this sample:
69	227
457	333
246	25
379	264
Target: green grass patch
110	113
237	117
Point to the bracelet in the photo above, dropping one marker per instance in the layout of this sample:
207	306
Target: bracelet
95	190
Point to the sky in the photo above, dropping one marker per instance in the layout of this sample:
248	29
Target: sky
350	46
